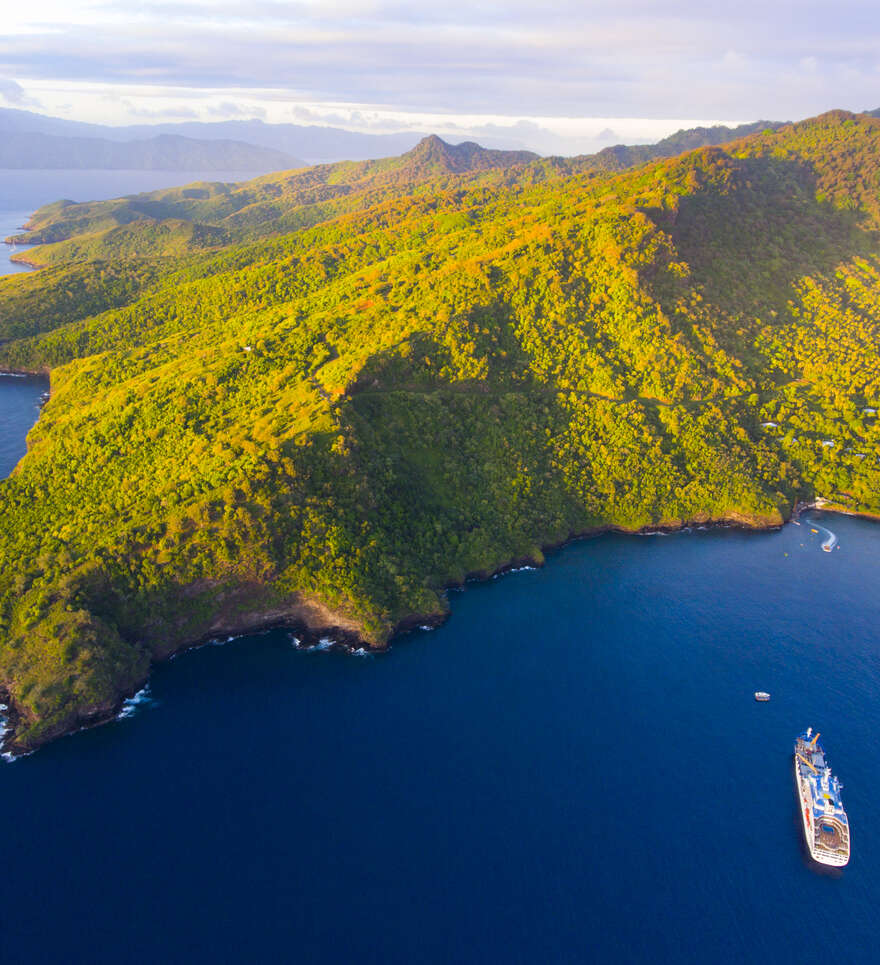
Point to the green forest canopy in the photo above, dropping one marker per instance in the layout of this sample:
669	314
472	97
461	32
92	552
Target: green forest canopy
344	387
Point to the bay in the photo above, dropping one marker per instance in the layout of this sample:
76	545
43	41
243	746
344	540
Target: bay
22	192
573	768
11	223
19	408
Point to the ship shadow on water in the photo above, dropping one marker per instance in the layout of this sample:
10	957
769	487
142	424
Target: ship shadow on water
809	863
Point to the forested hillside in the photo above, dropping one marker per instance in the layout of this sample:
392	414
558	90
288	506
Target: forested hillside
269	205
325	395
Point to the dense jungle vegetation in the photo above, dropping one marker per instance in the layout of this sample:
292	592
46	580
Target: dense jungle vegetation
355	383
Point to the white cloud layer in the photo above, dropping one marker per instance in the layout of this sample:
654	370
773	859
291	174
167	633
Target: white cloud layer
387	65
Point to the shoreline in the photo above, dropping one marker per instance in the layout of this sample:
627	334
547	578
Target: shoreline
25	373
342	635
28	262
20	258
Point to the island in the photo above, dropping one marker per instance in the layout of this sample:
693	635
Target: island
322	397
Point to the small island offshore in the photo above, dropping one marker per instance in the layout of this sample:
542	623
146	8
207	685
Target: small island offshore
321	397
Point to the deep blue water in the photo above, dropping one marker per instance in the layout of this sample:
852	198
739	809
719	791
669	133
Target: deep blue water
573	768
19	408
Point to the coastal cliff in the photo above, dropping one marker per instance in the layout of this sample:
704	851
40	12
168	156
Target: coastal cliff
373	381
234	613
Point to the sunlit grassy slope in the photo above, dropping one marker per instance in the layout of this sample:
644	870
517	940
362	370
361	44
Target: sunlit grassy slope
349	385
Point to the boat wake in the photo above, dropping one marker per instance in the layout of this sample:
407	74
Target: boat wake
830	540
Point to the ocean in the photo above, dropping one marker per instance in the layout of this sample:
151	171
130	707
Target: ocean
22	192
572	769
19	409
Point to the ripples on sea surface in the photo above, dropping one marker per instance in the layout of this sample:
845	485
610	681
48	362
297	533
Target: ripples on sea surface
573	768
10	224
19	408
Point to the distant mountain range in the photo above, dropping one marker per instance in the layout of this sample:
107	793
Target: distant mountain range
32	140
166	152
684	140
29	140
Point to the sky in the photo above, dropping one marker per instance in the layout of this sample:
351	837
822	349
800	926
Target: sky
559	76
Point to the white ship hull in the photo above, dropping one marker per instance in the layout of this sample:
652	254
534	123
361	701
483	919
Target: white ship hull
835	858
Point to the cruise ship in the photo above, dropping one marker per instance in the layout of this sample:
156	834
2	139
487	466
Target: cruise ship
826	827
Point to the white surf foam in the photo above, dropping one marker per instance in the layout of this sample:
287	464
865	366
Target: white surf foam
324	644
131	706
221	641
514	569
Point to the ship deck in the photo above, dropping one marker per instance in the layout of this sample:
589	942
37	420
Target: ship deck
825	822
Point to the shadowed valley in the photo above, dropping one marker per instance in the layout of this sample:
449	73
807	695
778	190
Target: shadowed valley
324	395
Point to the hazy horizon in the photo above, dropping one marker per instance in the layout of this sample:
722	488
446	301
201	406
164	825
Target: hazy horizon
567	78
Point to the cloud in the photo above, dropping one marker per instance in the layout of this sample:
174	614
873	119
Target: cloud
229	110
326	118
635	58
13	93
354	118
161	114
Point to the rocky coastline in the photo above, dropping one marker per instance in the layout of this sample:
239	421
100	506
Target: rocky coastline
313	624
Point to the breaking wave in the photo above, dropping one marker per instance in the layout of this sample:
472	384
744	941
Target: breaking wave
513	569
4	723
131	706
323	644
221	641
327	645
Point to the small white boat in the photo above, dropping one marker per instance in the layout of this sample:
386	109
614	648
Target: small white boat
761	695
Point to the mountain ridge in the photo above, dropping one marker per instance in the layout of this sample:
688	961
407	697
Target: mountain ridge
376	394
319	143
165	152
243	209
686	139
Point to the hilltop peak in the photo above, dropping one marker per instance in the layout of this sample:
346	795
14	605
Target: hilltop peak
433	153
430	142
